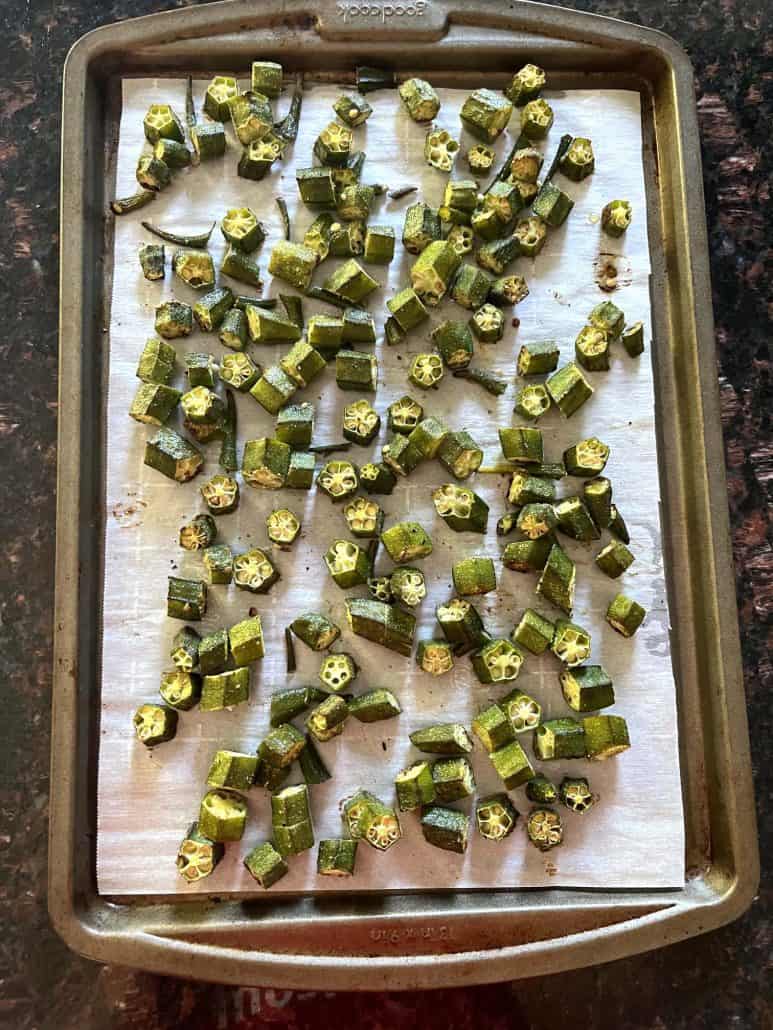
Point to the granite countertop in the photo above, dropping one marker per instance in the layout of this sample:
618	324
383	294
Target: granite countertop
716	980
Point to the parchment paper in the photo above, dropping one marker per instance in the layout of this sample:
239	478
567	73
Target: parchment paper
634	836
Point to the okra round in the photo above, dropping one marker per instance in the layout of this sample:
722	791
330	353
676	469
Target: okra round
495	817
445	828
541	791
544	829
440	149
282	528
420	99
198	856
155	724
498	661
254	571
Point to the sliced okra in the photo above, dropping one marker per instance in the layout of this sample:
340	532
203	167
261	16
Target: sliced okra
445	828
526	84
222	816
536	119
614	559
338	480
265	865
571	643
544	829
490	381
351	282
266	78
198	534
153	403
202	405
152	173
180	689
512	765
453	779
268	327
488	324
327	720
213	652
245	640
541	791
591	349
498	661
377	824
495	816
440	149
532	401
433	271
200	369
281	746
609	317
507	523
218	562
435	657
351	172
504	199
251	116
427	436
471	286
186	599
522	445
157	362
625	615
538	358
336	857
493	728
240	266
361	422
414	787
575	794
557	739
155	724
198	856
174	319
605	736
633	339
286	705
353	809
460	195
420	227
587	688
616	217
185	649
317	236
384	624
485	223
380	588
300	471
347	238
528	489
353	110
315	630
552	205
195	267
617	526
461	238
208	139
233	329
526	165
295	424
333	145
356	370
325	333
358	326
496	254
239	371
406	541
454	343
401	455
577	161
531	234
221	494
232	770
420	99
523	712
557	581
228	459
480	158
408	585
258	156
449	738
282	528
354	202
152	261
254	571
575	521
293	263
219	91
364	517
375	706
537	520
534	632
586	458
485	114
461	625
291	820
242	229
404	415
379	246
347	563
569	389
274	389
460	454
461	509
597	496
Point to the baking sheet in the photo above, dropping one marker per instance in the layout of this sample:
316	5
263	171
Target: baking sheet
634	836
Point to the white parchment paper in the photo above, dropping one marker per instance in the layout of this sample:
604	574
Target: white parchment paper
634	835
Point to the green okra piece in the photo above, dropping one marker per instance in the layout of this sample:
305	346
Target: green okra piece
587	688
336	857
293	263
507	523
526	84
265	865
537	358
461	237
198	856
338	480
302	363
377	478
435	657
605	736
445	828
227	429
254	571
325	333
313	769
403	415
180	690
186	599
453	779
427	436
327	720
495	816
347	563
222	816
242	228
274	389
526	165
571	643
522	444
266	78
379	244
493	728
531	234
371	820
485	114
577	162
497	661
232	770
384	624
607	317
614	559
496	255
272	778
440	149
406	542
450	738
225	689
536	119
288	704
591	349
221	494
208	140
523	712
233	329
532	401
617	526
480	158
356	370
197	241
300	471
408	585
625	615
426	371
568	389
219	564
245	640
198	534
202	405
616	216
239	371
485	223
420	99
316	186
291	820
414	787
251	116
541	791
575	521
240	266
185	649
512	765
358	326
353	110
460	454
124	205
471	287
401	455
454	343
268	327
364	517
375	706
558	739
369	79
545	470
295	424
460	195
174	319
575	794
557	581
157	362
351	282
505	200
152	260
354	202
219	91
347	238
534	632
474	575
544	829
597	497
527	489
153	403
488	324
317	236
461	509
632	339
258	157
213	652
420	227
155	724
552	205
281	746
380	588
210	311
537	520
152	173
433	271
195	267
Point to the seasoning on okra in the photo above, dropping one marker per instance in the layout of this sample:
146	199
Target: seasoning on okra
571	643
353	110
174	319
544	829
587	688
461	625
605	736
526	84
485	114
534	632
597	497
408	585
440	149
511	765
245	640
213	652
155	724
152	259
347	564
625	615
614	559
616	217
460	454
384	624
265	865
569	389
356	370
420	99
186	599
497	661
379	247
495	816
406	541
461	509
336	857
445	828
552	205
420	227
557	581
327	720
333	144
375	706
558	739
198	856
453	779
219	564
208	139
493	728
153	403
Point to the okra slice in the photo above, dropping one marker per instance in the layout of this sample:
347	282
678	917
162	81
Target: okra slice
571	643
433	271
574	520
286	705
454	343
493	728
315	630
625	615
208	139
608	317
350	173
591	349
375	706
281	746
240	266
258	156
327	720
577	161
333	144
364	517
506	523
531	234
233	329
185	649
380	588
552	205
198	856
587	688
400	455
161	122
356	370
338	671
302	363
435	657
575	794
559	738
282	528
155	724
232	770
123	205
453	779
471	287
461	238
404	415
526	165
534	632
461	625
239	371
222	816
225	690
293	263
338	480
218	562
347	563
633	339
541	791
496	254
450	738
251	116
523	712
420	227
440	149
488	324
221	494
194	267
420	99
522	445
461	509
351	282
526	84
474	575
268	327
557	581
358	326
378	825
174	319
427	436
536	119
353	110
300	472
536	520
213	652
525	489
186	599
426	371
242	229
406	541
504	199
157	362
347	238
414	787
544	829
152	173
617	526
336	857
317	236
485	114
265	463
384	624
480	158
265	865
152	259
295	424
325	333
219	91
537	358
569	389
460	454
605	736
379	244
267	78
445	828
153	403
532	401
616	216
202	405
377	478
291	820
495	817
198	534
597	496
614	559
245	640
512	765
353	809
254	571
408	585
498	661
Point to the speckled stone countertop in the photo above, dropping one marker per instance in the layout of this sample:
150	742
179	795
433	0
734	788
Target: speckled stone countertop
716	980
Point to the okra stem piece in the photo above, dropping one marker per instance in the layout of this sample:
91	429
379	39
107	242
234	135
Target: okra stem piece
288	126
605	736
401	191
330	448
384	624
557	581
544	829
490	382
181	239
445	828
123	205
369	79
495	816
625	615
313	768
375	706
155	724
